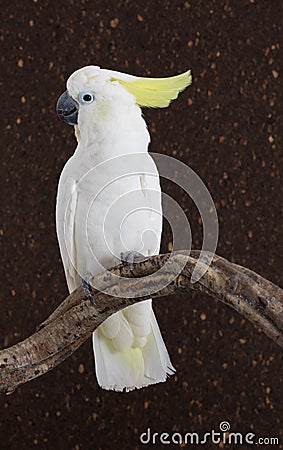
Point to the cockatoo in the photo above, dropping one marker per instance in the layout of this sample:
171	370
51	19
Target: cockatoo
109	203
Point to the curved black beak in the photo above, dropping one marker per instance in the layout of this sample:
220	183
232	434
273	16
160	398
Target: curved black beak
67	109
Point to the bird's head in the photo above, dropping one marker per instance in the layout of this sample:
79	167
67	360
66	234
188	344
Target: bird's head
90	86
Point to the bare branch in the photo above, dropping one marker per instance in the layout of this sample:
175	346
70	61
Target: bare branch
256	298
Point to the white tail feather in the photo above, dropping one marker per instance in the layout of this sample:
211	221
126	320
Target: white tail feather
144	362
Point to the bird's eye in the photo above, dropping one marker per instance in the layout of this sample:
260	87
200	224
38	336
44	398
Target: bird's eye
86	98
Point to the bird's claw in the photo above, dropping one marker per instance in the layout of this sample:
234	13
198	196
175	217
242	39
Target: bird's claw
87	290
132	257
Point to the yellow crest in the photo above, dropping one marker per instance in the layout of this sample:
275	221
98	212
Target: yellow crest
156	92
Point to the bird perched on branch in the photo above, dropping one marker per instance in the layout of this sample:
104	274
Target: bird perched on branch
108	204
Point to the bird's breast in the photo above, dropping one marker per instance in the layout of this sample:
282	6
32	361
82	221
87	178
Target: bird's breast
117	209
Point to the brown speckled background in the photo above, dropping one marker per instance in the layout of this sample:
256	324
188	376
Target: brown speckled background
226	127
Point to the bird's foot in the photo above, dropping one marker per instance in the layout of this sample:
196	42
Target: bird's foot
132	257
87	287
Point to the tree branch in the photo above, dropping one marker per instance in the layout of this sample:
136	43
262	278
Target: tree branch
257	299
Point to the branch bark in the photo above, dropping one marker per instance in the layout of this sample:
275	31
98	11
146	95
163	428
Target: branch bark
71	324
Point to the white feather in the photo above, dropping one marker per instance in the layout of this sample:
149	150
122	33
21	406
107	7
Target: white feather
109	181
111	326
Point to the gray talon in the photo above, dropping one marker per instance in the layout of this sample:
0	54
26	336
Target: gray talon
131	257
87	290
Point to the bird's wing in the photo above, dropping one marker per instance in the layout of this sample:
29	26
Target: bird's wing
65	225
150	187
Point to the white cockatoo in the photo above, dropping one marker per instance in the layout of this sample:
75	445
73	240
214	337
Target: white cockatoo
109	203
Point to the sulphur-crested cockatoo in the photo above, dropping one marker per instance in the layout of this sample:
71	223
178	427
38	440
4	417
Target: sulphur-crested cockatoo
108	203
